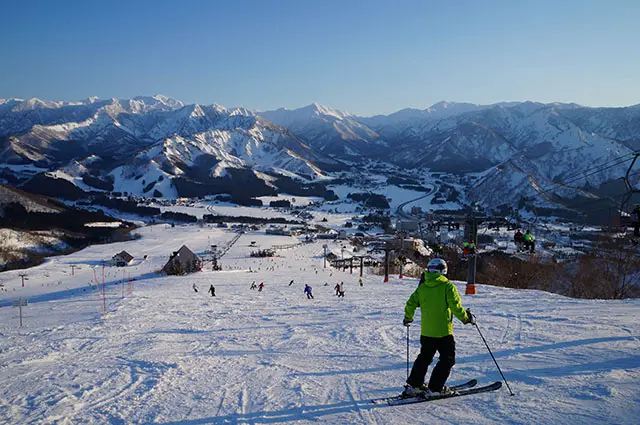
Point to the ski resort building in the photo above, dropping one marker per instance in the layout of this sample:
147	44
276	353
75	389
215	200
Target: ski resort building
275	230
331	234
182	261
121	259
407	226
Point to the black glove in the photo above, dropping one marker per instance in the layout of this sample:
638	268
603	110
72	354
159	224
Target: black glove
406	321
470	318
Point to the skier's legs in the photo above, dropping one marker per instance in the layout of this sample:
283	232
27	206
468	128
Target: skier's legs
447	348
419	370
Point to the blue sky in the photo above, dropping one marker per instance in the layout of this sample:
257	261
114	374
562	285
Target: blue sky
365	57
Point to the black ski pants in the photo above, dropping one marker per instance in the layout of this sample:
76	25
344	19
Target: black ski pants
446	346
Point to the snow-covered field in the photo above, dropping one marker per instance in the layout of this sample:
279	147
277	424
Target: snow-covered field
16	245
165	354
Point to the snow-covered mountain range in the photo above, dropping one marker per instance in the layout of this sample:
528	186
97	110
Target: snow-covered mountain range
519	148
152	139
136	145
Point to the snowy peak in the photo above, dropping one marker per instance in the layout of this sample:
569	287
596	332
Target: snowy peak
444	108
329	130
297	117
159	101
35	103
322	111
90	100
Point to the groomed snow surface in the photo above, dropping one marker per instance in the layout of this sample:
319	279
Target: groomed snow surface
165	354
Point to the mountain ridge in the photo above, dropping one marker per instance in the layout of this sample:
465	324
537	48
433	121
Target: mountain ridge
200	143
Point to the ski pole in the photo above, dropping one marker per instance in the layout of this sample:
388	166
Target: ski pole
407	353
494	359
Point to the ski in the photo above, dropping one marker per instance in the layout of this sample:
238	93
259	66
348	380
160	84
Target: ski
422	398
386	400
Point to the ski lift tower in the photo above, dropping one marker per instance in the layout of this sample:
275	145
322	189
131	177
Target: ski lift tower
471	234
630	190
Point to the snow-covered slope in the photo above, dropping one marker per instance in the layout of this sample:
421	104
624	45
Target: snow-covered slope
165	354
210	154
32	203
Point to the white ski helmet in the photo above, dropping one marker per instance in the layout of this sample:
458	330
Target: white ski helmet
437	265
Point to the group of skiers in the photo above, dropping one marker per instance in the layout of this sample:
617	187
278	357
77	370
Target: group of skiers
308	290
259	287
212	289
524	241
439	302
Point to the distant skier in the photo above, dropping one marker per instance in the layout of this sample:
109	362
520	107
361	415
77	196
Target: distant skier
468	248
260	286
212	290
341	293
195	288
439	301
291	283
307	290
253	285
337	288
529	242
360	281
518	239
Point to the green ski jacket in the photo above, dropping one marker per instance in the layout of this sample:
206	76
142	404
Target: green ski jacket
439	301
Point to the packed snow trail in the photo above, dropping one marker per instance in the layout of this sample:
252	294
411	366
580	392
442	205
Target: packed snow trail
165	354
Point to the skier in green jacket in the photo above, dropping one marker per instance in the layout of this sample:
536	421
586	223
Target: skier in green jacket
439	301
529	242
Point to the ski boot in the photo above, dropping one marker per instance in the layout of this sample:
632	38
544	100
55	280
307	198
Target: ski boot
411	391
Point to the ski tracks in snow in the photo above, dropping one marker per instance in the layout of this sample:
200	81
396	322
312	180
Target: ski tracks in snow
171	356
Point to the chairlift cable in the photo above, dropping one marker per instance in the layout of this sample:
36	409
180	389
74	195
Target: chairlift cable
578	173
576	190
594	171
